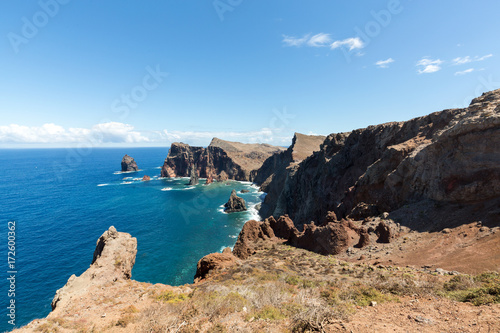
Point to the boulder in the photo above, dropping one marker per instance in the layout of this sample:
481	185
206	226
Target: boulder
128	164
146	178
244	191
235	204
383	232
210	179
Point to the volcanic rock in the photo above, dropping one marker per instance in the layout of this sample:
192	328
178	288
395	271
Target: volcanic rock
238	160
210	179
235	204
383	232
213	262
113	259
128	164
222	177
273	173
449	158
193	180
146	178
251	232
244	191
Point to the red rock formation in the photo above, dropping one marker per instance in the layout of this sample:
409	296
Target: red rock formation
146	178
213	262
210	179
251	232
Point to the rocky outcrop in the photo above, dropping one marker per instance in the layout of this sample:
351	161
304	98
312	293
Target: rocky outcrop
146	178
212	263
210	180
450	158
193	176
238	161
128	164
252	232
113	259
274	172
332	238
235	203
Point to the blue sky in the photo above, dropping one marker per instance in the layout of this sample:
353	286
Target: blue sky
130	73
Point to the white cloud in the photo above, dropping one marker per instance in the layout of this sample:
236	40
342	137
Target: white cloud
384	63
294	41
203	138
319	40
429	65
111	132
468	59
351	43
114	133
470	70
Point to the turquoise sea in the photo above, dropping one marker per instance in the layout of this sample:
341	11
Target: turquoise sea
62	200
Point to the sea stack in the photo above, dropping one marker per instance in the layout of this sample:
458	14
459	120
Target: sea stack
128	164
194	176
235	204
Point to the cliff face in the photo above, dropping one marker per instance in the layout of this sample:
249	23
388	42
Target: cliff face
238	160
449	157
273	173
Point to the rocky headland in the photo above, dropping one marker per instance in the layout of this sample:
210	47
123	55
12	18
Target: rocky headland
128	164
221	160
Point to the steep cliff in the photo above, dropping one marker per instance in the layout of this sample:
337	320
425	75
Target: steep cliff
274	171
238	160
446	158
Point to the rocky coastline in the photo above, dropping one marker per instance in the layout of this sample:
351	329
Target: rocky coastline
340	212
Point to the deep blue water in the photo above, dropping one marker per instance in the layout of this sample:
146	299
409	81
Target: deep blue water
62	200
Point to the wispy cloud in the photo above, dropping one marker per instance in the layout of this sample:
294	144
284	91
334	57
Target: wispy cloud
470	70
319	40
322	40
351	43
468	59
295	41
384	63
429	65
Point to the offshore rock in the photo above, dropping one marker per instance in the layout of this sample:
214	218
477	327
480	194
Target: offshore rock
235	203
128	164
193	180
146	178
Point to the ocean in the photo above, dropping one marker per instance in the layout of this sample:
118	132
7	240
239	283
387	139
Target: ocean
62	200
